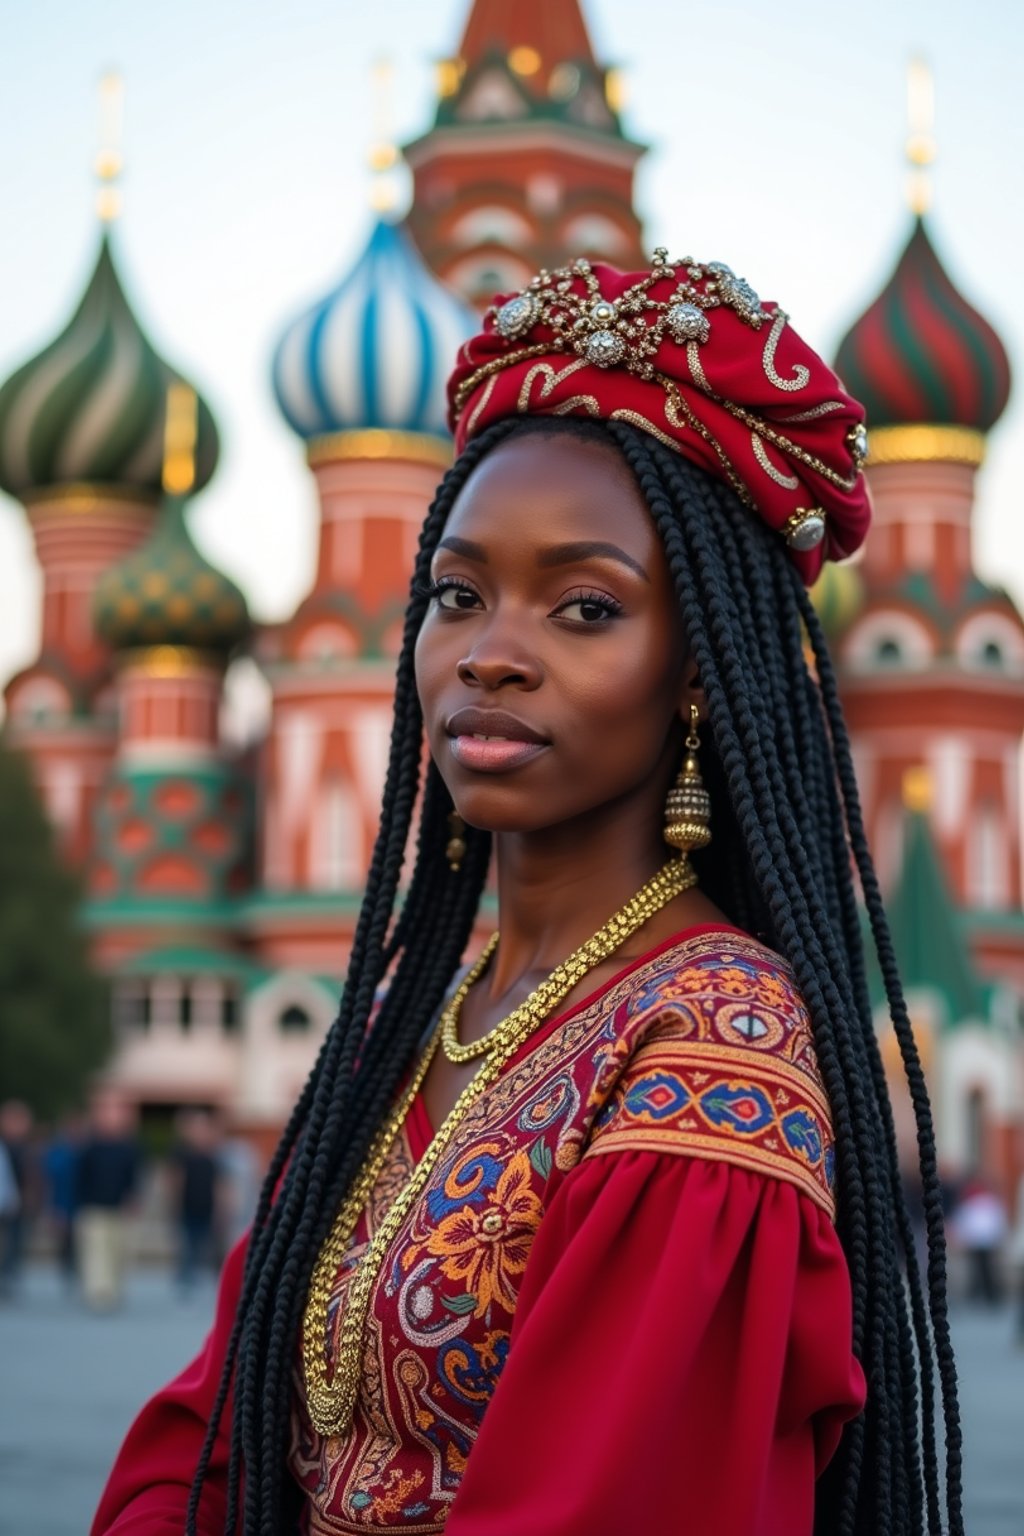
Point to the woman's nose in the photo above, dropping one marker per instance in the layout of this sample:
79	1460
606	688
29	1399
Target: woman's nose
496	660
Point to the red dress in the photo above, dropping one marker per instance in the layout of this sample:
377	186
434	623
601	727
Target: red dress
617	1305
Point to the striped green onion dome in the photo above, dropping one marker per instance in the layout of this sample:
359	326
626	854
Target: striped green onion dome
921	353
166	593
91	406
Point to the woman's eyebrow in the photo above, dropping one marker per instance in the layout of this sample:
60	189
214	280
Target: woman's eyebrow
464	547
586	549
556	554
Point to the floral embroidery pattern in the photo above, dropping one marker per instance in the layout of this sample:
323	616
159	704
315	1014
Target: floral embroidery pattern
483	1249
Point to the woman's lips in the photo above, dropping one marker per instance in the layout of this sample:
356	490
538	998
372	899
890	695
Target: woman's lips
493	754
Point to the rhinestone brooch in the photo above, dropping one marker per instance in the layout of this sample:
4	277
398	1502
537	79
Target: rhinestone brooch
517	315
805	529
605	348
737	293
857	442
687	323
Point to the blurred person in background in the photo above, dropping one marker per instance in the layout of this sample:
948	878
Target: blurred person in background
195	1195
241	1188
105	1186
1015	1257
16	1138
980	1230
10	1205
60	1166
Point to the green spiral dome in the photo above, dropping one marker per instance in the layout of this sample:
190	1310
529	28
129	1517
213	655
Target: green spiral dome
90	407
166	593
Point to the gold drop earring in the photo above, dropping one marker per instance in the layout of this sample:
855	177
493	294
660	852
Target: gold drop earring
455	850
688	805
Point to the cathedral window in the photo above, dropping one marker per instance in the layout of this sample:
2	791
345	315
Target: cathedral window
991	642
294	1020
229	1012
888	640
491	225
988	872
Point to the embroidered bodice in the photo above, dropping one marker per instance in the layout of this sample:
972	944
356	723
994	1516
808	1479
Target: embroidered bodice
701	1050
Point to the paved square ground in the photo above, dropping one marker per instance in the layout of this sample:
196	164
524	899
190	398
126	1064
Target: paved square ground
70	1384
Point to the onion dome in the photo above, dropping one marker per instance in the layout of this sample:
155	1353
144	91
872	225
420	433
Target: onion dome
166	593
922	354
377	351
90	406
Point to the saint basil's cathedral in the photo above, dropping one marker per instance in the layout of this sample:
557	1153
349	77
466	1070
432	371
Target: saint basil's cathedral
223	886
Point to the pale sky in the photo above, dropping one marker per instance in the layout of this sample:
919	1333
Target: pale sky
777	138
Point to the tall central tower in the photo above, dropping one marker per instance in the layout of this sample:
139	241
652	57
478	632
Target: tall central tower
526	163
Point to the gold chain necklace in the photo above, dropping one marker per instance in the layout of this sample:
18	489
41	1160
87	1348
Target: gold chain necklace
332	1403
671	879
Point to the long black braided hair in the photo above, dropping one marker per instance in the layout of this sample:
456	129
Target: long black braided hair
788	832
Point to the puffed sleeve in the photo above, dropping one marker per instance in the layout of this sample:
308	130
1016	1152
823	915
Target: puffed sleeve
680	1359
148	1490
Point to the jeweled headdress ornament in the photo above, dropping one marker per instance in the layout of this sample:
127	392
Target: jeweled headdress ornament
690	354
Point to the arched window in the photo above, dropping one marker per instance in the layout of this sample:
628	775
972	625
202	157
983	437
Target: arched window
294	1020
992	642
887	639
988	864
975	1139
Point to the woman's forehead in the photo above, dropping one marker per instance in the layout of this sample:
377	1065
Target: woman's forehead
541	486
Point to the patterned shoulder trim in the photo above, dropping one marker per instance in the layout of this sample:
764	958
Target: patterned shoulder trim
725	988
721	1065
694	1102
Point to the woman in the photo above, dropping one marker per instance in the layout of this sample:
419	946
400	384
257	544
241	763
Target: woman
605	1234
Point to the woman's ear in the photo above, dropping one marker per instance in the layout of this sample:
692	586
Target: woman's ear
691	693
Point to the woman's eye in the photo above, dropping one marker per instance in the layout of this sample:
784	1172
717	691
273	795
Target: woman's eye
589	608
454	597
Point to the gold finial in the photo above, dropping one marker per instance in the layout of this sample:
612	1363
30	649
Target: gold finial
918	789
449	76
615	92
180	432
109	160
920	135
383	154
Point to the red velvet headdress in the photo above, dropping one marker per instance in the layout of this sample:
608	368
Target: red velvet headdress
690	354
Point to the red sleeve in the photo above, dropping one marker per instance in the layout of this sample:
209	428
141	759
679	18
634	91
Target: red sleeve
680	1357
148	1490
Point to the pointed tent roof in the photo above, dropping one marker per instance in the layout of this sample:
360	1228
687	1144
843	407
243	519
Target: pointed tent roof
930	949
529	60
554	28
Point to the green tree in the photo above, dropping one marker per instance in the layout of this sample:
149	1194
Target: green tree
54	1007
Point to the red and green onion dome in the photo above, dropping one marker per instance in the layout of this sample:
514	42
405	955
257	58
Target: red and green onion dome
166	593
921	356
90	408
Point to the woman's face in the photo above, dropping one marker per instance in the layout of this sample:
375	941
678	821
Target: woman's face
551	665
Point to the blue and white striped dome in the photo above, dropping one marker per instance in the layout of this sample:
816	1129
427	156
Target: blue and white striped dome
377	351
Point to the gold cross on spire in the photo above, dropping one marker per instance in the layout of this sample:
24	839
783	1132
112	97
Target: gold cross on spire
383	154
109	160
920	135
